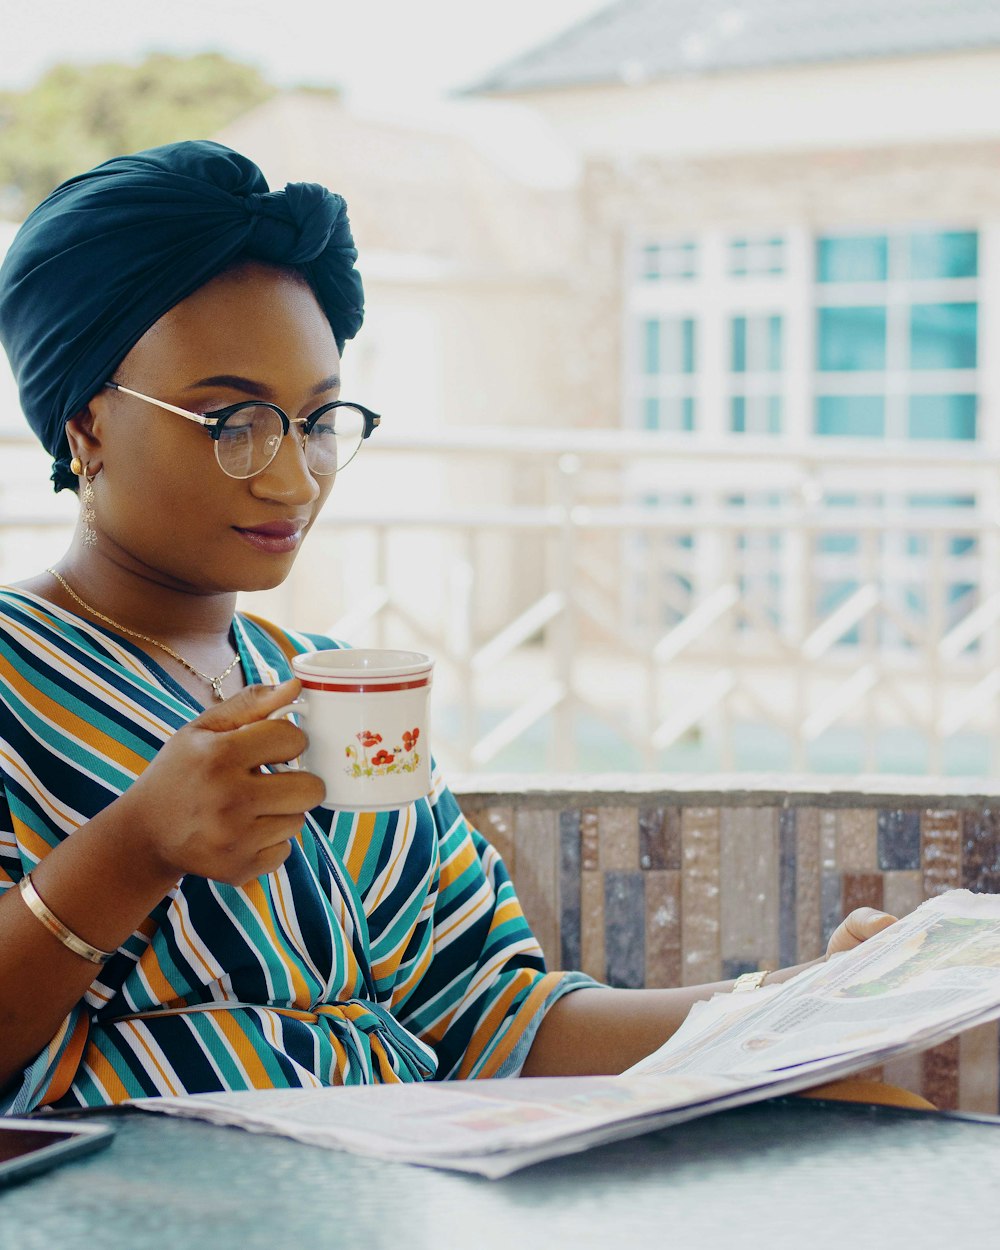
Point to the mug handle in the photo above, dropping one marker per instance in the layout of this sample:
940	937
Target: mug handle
298	708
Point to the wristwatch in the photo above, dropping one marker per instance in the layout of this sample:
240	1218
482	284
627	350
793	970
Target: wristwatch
750	981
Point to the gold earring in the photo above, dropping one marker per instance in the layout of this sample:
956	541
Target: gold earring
76	466
89	515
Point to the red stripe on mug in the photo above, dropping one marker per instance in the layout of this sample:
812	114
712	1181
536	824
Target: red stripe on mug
363	687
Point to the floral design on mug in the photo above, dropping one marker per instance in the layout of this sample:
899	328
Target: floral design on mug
401	759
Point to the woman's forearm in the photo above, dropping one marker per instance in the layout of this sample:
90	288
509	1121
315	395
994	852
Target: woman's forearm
94	885
603	1031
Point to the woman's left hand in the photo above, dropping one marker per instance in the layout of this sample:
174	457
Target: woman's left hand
858	927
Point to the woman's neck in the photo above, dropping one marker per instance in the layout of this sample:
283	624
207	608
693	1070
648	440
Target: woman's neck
137	598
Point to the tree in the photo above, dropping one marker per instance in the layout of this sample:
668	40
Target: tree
78	115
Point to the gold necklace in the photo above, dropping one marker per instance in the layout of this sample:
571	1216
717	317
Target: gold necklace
214	682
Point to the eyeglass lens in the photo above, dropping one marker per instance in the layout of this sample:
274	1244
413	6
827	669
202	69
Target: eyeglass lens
250	438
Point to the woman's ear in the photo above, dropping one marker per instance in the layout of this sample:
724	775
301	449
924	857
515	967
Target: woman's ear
84	440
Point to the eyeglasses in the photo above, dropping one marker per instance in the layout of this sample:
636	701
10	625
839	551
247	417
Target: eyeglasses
247	435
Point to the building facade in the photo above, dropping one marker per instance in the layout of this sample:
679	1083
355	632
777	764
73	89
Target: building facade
791	258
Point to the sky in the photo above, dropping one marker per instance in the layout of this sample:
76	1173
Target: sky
378	51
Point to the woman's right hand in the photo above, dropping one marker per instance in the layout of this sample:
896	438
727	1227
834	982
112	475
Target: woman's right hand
203	806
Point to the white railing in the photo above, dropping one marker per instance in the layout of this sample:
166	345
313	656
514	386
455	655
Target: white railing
602	599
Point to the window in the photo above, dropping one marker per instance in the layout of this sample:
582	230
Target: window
670	345
943	336
669	262
756	256
897	335
853	416
858	258
755	373
851	339
942	416
668	413
949	254
863	334
668	366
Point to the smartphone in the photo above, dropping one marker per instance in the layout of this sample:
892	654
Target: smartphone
28	1147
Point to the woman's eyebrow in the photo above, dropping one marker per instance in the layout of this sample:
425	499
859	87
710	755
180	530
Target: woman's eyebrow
257	389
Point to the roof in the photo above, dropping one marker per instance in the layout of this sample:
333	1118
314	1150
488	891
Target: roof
633	41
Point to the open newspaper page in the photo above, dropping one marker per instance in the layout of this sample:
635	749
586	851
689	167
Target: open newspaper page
936	969
926	978
488	1127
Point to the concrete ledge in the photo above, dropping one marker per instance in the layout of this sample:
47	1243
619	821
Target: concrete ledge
560	790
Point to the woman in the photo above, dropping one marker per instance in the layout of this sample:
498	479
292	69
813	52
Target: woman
185	919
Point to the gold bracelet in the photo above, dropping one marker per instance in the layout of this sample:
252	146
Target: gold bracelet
56	927
749	981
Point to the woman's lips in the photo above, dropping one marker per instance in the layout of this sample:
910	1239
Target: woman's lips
276	537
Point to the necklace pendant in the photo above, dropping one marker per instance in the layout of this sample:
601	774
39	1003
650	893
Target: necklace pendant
217	688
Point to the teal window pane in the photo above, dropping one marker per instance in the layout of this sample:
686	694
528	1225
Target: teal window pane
839	544
651	346
673	413
756	344
851	416
861	258
668	345
851	339
757	256
739	345
942	416
944	254
759	415
774	337
687	345
916	545
943	336
668	262
941	501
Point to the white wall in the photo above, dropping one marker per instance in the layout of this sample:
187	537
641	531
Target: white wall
910	100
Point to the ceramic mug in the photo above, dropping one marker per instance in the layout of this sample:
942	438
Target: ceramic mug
366	714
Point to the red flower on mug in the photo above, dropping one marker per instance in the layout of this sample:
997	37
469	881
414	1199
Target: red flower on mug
410	739
382	757
368	739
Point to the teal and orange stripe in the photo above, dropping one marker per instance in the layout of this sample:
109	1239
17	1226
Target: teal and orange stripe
263	985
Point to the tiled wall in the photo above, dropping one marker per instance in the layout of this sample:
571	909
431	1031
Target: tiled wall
655	888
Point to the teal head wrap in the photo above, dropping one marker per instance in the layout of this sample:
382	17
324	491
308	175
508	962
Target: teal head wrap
109	252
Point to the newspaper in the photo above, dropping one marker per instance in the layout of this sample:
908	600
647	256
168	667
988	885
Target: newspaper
928	977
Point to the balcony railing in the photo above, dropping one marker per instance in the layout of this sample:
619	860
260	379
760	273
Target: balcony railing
605	599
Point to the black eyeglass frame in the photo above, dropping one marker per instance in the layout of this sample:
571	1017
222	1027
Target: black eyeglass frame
216	422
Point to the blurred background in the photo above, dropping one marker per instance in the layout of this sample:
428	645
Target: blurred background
684	322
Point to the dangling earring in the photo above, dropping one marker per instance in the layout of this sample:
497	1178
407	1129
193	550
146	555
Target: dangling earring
89	515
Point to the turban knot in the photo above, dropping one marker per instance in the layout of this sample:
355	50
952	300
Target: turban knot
110	251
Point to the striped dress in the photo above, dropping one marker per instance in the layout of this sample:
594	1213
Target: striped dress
388	947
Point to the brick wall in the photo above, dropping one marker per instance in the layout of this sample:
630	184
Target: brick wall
655	888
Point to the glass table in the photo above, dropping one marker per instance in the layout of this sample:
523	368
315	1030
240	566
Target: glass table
783	1174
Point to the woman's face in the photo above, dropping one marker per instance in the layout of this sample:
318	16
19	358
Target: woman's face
163	505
